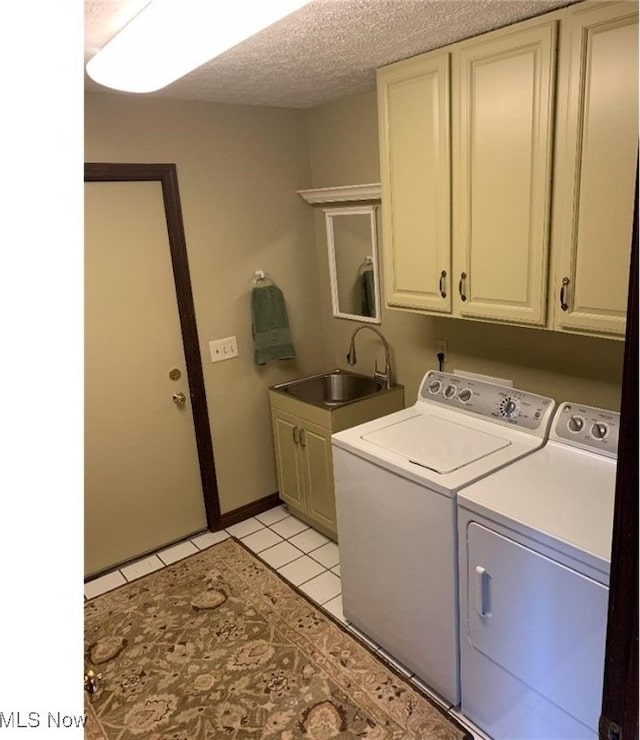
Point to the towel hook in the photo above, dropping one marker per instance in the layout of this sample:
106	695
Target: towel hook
259	275
367	264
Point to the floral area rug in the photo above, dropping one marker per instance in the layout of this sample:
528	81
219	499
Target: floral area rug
219	646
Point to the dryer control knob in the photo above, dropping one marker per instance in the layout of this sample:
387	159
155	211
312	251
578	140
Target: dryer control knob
465	395
450	391
576	424
599	431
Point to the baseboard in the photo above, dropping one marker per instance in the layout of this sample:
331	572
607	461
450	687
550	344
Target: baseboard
249	510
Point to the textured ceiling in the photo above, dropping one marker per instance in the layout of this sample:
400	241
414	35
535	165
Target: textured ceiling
324	51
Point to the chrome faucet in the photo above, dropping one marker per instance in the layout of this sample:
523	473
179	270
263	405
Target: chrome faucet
351	355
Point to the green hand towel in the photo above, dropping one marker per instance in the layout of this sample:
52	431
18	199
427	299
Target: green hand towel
270	325
367	294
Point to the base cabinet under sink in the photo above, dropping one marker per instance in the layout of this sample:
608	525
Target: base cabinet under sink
305	470
302	442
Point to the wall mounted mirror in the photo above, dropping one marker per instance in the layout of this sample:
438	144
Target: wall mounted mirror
353	263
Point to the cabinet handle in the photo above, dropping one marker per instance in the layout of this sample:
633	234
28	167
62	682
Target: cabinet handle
303	437
296	435
443	284
563	294
461	286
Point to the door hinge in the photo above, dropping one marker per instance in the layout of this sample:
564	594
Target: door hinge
609	730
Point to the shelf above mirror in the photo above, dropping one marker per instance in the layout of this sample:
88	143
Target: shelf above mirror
342	194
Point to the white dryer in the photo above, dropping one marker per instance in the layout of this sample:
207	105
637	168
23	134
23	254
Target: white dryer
396	480
534	547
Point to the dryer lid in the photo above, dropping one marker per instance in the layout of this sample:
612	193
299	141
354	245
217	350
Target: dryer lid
435	443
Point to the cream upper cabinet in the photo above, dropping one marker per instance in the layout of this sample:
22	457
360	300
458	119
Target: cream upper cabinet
498	90
415	177
503	93
505	199
596	168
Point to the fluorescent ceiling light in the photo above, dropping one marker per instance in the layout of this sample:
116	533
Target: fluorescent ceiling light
170	38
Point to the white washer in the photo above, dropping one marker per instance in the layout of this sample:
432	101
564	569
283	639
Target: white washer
396	480
534	548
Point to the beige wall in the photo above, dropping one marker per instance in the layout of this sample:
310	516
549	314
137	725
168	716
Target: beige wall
343	147
238	171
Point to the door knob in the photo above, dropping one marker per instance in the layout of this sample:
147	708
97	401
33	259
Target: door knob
179	399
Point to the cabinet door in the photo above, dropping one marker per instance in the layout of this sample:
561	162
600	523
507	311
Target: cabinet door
316	444
503	92
286	431
413	111
597	156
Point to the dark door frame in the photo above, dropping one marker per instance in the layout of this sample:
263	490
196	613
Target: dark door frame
167	175
619	718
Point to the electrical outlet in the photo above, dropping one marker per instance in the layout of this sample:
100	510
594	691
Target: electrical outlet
223	349
441	350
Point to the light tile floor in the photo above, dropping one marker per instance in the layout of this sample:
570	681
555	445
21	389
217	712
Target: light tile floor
304	557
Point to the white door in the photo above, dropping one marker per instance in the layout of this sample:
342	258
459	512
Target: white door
142	479
542	624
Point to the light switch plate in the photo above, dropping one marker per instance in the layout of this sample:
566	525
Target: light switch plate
223	349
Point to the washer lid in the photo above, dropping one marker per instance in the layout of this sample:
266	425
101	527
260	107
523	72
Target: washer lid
435	443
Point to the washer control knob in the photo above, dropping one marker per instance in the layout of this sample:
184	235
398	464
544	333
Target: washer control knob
465	395
509	408
599	430
434	386
576	424
450	391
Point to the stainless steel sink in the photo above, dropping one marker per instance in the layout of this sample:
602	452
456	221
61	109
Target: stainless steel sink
335	388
